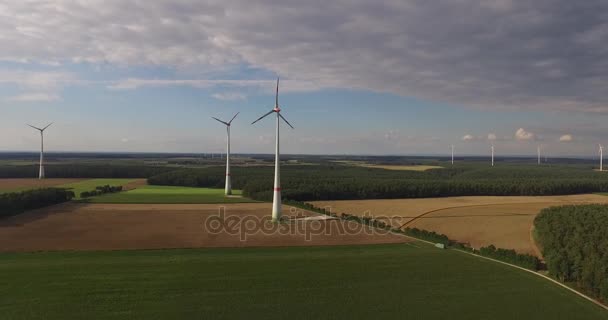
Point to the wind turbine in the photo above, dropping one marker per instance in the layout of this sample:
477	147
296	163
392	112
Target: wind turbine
601	157
538	153
228	190
276	197
452	154
41	171
492	155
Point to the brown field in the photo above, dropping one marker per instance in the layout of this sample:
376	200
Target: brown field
79	226
505	222
8	184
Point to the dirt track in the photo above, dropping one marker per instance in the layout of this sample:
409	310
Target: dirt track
479	221
75	226
34	183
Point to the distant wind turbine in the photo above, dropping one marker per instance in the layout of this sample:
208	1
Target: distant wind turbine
41	170
492	155
452	154
276	198
601	157
228	190
538	153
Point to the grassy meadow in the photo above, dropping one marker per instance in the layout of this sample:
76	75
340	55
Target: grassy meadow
169	194
412	281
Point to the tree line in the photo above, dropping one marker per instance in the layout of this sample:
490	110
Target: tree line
332	182
82	171
17	202
574	241
99	190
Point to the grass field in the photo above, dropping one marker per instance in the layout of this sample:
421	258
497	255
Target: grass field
505	222
90	184
388	167
404	281
168	194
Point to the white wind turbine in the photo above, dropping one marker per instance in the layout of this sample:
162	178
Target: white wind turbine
228	190
492	155
601	157
41	171
452	146
276	198
538	153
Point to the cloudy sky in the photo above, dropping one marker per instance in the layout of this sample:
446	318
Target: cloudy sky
357	76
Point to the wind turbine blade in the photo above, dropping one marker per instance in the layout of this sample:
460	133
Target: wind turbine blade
48	125
262	117
34	127
277	94
220	120
229	122
289	124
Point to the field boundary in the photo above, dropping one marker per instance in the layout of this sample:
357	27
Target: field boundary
539	275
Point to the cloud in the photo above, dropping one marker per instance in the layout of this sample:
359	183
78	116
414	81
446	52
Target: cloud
491	136
124	140
524	135
257	85
566	138
34	97
468	137
391	46
229	96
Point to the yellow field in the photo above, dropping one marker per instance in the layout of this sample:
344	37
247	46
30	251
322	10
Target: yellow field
505	222
389	167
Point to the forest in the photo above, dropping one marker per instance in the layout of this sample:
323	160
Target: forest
574	241
17	202
339	182
82	171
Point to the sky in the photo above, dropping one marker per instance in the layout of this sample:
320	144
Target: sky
398	77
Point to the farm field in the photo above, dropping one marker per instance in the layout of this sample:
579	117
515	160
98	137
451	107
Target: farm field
21	184
349	282
169	194
505	222
85	226
90	184
419	167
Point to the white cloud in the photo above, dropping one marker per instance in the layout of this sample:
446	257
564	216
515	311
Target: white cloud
566	138
229	96
467	137
524	135
34	97
258	85
387	46
491	136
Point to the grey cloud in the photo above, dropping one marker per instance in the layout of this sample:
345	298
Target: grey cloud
544	54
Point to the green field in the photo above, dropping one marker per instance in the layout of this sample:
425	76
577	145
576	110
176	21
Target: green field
89	185
405	281
168	194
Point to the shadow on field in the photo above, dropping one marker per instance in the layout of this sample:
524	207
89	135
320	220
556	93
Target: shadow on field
24	218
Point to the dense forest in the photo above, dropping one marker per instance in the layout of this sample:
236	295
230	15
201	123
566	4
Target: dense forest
82	171
574	241
17	202
339	182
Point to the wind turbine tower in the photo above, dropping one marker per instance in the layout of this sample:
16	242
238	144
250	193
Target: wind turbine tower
228	190
41	170
276	197
492	155
601	158
538	153
452	154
